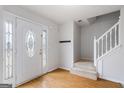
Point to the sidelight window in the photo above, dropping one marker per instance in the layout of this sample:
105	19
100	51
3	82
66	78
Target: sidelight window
8	50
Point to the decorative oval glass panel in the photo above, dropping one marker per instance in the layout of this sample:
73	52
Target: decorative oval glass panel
30	43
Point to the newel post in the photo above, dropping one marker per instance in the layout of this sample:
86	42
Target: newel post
94	50
119	31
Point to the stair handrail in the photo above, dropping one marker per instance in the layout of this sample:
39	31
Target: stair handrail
109	30
97	40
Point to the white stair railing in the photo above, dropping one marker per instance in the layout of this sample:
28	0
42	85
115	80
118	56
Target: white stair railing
106	43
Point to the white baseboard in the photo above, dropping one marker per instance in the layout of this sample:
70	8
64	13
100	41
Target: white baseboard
16	85
35	77
77	60
87	59
113	80
122	85
52	69
65	68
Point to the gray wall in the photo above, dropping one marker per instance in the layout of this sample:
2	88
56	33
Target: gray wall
1	46
77	42
100	26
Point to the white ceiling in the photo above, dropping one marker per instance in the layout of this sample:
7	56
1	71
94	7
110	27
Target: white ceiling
63	13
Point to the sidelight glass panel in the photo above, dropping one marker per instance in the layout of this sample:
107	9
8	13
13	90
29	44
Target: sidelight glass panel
8	50
44	48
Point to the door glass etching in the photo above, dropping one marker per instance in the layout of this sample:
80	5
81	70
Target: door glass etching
30	43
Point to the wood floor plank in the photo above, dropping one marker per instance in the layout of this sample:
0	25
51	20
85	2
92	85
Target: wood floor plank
64	79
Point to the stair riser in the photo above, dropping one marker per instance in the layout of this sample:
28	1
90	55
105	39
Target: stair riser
84	74
84	69
90	69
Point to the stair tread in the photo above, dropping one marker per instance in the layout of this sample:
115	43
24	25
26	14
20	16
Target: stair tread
84	70
85	65
85	74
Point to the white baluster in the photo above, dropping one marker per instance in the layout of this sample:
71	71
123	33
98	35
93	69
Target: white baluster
108	35
102	46
115	36
98	48
95	50
111	40
106	48
119	33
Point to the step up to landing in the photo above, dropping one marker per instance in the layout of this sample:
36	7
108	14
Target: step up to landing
84	69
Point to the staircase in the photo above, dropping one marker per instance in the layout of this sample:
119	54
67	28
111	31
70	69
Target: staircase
103	45
85	69
106	43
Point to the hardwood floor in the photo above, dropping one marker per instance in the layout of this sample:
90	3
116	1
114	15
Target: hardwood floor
63	79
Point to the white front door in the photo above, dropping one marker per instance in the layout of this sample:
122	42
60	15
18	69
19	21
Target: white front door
29	51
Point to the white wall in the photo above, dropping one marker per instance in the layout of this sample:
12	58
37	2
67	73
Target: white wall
53	49
1	46
66	49
100	26
77	42
53	45
113	64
